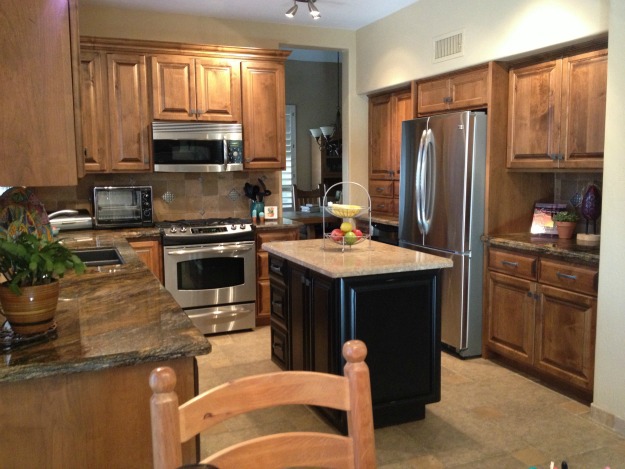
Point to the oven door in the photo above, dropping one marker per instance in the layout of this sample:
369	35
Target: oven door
211	274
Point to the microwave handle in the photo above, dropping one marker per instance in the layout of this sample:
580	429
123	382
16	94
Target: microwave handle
182	252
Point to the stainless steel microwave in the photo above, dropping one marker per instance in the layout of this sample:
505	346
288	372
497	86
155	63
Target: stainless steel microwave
197	147
122	206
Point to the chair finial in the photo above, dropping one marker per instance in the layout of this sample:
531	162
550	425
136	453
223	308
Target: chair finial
354	351
162	380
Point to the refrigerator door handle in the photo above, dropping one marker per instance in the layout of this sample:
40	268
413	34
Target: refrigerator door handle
429	181
419	181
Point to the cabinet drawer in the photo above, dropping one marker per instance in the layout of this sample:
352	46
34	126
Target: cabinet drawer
382	205
277	235
381	188
513	263
279	348
581	279
276	267
278	304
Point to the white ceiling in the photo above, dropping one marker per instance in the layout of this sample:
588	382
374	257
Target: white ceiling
336	14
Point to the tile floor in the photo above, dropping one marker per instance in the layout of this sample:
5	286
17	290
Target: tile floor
488	417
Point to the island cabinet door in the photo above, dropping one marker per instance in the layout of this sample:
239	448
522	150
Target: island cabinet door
398	318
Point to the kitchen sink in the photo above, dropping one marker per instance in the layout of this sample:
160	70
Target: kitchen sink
94	257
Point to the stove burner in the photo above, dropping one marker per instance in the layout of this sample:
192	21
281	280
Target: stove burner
209	230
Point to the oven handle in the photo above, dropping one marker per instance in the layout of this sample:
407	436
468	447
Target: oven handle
182	252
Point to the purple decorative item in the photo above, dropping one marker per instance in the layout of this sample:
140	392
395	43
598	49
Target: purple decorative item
591	206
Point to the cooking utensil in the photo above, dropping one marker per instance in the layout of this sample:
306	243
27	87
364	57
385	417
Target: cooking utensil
247	189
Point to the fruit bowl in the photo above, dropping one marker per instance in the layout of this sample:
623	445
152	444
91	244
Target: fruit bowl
342	241
344	211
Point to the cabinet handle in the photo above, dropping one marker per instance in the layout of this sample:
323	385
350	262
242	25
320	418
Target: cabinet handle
379	189
510	264
570	277
275	269
276	303
277	345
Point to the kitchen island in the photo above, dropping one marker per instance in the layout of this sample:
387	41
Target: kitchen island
81	399
387	296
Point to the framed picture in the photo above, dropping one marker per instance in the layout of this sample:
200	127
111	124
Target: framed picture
271	212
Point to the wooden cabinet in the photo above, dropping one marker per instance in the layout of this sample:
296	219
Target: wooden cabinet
556	114
40	123
129	118
312	315
465	90
264	107
542	314
386	114
196	88
94	111
263	307
151	254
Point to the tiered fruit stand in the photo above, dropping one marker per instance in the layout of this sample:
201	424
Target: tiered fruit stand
345	212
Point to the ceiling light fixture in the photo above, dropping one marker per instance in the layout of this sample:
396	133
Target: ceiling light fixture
290	13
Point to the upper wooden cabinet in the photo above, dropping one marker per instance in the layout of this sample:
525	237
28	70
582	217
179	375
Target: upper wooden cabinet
386	114
557	113
40	122
465	90
196	88
264	107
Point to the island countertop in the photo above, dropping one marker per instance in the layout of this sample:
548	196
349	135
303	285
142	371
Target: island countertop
325	257
108	317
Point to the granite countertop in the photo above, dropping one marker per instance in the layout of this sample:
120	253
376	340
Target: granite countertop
383	219
325	257
565	249
280	223
108	317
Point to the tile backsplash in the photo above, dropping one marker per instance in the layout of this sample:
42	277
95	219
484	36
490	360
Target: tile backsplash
176	195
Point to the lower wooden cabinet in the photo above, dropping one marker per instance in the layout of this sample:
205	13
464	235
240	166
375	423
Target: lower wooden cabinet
266	235
542	315
151	253
312	315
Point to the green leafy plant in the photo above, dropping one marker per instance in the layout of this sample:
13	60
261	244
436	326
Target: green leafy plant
566	216
26	260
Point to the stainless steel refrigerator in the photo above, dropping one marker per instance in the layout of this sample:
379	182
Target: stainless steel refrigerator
441	211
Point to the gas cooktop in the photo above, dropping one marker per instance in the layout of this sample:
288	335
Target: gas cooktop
206	230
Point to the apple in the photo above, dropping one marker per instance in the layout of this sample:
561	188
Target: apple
337	235
346	227
358	233
350	238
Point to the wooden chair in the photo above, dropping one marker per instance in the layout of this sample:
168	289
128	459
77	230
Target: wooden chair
173	424
301	197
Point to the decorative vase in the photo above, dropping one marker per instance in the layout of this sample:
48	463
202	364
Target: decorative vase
565	229
33	311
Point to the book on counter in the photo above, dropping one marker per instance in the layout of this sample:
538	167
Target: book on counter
542	222
310	208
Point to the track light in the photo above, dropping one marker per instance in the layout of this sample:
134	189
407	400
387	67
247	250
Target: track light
290	13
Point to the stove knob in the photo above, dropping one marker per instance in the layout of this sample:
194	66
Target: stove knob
183	229
233	227
172	229
242	226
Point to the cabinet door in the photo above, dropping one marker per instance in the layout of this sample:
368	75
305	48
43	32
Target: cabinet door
93	112
565	336
583	113
380	135
263	101
469	90
511	310
151	255
402	110
324	349
433	96
37	93
534	106
218	85
173	87
299	298
128	112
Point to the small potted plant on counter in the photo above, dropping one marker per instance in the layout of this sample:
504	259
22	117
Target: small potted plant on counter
31	267
566	222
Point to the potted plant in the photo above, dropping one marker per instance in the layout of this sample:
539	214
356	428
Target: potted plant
31	267
566	222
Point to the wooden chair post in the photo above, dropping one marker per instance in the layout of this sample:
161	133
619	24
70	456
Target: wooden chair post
360	417
167	452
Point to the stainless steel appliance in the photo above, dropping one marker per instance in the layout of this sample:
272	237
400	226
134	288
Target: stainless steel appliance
441	211
197	147
210	270
70	219
122	206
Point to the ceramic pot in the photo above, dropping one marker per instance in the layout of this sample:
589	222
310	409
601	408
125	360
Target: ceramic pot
566	229
33	311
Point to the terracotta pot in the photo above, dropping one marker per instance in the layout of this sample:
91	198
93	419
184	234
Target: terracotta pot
566	229
32	311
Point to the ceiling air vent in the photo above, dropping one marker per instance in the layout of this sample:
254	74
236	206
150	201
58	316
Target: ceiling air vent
448	46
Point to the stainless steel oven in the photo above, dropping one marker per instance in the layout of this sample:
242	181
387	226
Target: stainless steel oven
210	270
